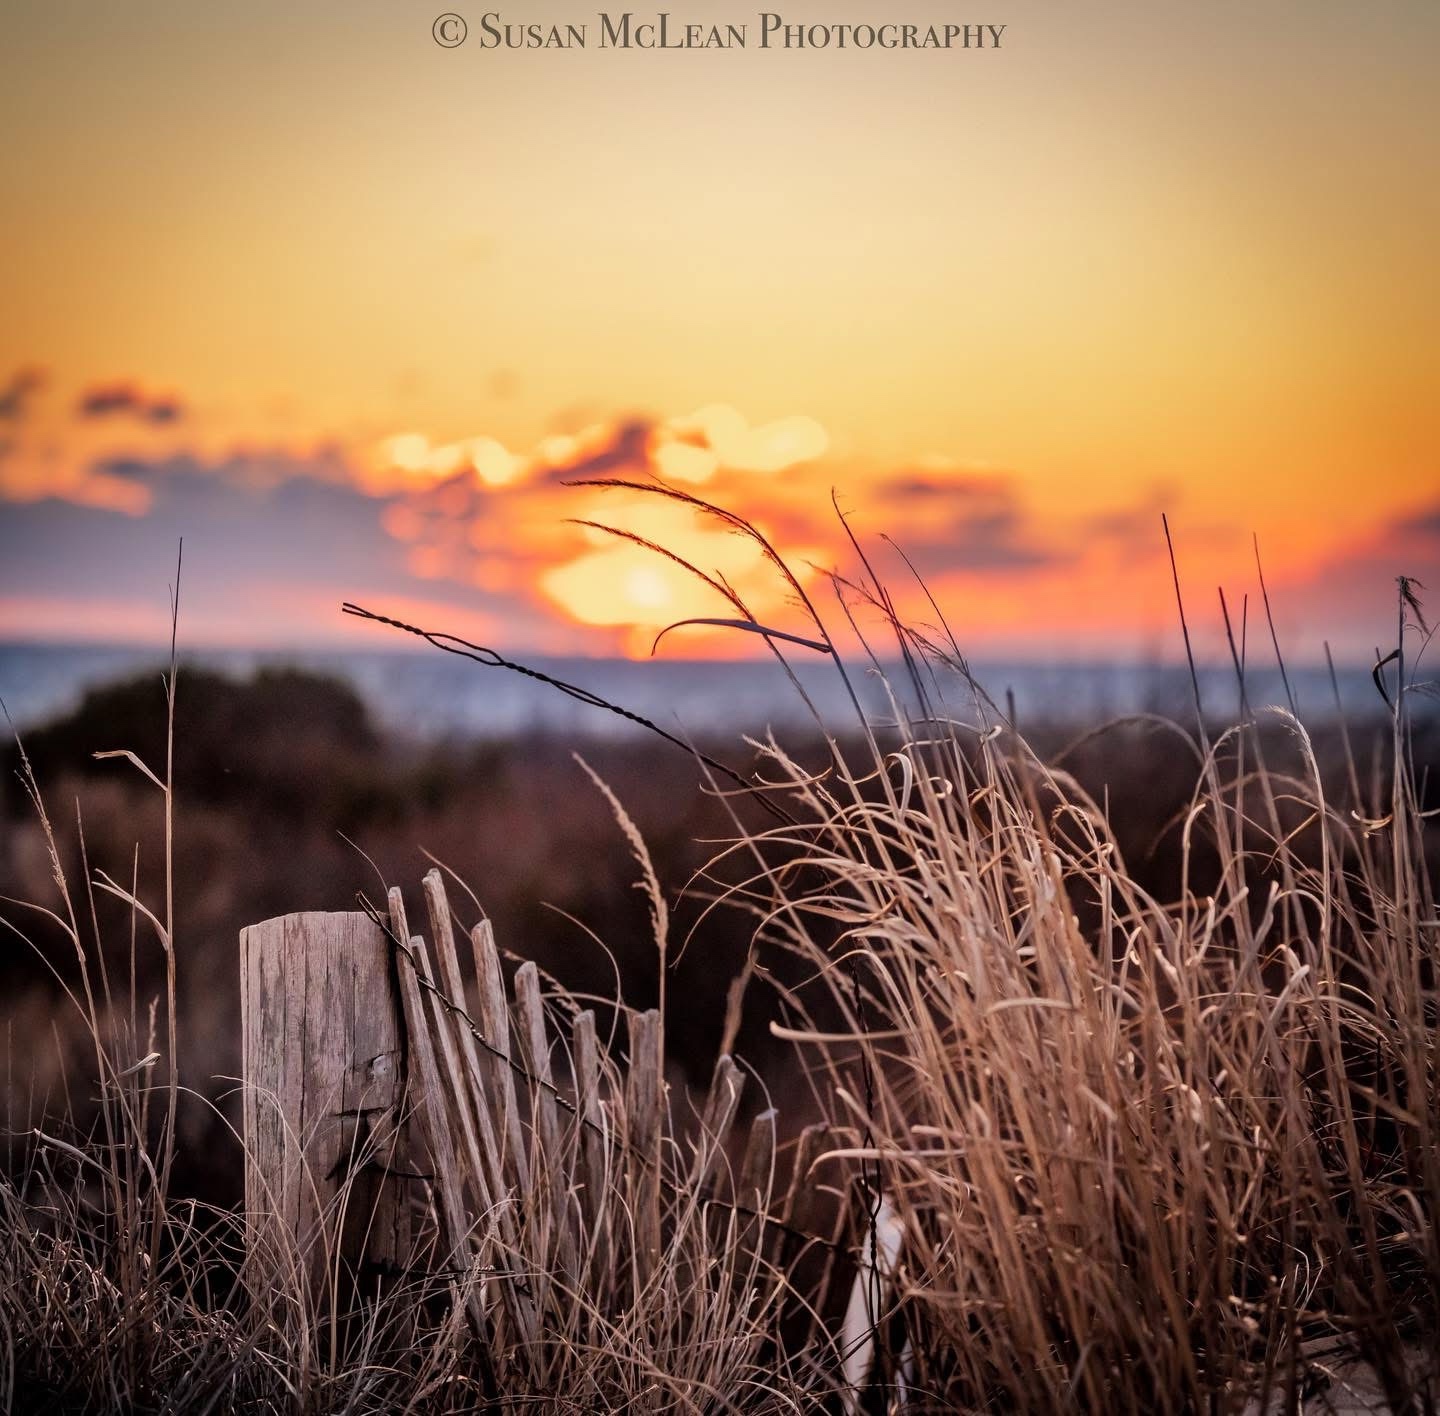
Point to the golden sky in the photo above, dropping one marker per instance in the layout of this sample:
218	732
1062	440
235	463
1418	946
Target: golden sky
346	307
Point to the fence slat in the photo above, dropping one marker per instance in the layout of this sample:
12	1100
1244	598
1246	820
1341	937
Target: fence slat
470	1101
495	1024
799	1207
468	1096
757	1168
431	1108
800	1212
727	1083
324	1179
550	1165
754	1239
590	1117
644	1100
535	1048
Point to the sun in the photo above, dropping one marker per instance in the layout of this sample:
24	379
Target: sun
646	588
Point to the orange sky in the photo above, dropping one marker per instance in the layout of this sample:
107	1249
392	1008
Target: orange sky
1010	304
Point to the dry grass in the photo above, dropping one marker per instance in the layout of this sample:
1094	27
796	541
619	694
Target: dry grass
1087	1149
1134	1165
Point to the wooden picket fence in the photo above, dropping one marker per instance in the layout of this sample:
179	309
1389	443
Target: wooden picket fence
396	1130
508	1152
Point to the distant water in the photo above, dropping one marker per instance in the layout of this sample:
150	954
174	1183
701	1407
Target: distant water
434	695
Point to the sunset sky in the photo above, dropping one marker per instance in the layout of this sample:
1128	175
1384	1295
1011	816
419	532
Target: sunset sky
346	309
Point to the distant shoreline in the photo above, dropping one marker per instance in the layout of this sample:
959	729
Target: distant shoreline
432	696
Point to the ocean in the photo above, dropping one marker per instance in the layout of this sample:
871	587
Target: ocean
432	695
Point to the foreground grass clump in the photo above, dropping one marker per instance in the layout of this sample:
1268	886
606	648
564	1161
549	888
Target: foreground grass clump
1069	1145
1136	1154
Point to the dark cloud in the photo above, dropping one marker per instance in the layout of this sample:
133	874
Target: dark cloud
257	528
1136	529
626	450
1131	528
932	487
1352	600
965	522
1426	524
997	539
260	469
301	528
128	400
131	469
16	394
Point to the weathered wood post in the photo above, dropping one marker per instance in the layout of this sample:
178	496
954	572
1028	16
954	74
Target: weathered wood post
324	1083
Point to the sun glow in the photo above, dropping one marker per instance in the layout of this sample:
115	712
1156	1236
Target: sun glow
646	588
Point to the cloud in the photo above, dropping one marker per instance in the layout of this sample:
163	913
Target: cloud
998	540
476	532
17	393
598	451
273	544
1424	524
1352	599
719	438
963	520
1136	529
127	400
910	487
479	513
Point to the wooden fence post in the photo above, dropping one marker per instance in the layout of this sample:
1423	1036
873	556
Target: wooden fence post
324	1095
